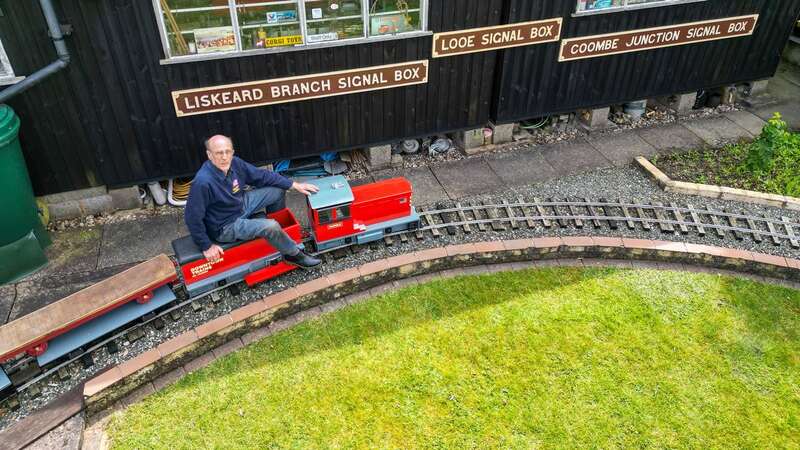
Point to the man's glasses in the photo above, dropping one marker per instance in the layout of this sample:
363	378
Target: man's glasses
222	153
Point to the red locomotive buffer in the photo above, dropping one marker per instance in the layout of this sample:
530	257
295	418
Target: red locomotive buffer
252	261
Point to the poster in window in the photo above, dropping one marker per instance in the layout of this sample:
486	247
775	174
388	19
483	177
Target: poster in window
391	24
281	16
211	40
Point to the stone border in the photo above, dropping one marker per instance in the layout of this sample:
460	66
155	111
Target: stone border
156	368
713	191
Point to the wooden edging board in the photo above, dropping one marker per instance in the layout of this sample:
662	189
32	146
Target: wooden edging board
714	191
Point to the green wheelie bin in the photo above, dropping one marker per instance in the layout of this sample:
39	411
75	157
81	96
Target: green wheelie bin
23	237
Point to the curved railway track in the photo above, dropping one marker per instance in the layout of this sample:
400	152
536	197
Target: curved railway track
454	218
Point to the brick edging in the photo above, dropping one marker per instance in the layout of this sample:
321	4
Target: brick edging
714	191
170	360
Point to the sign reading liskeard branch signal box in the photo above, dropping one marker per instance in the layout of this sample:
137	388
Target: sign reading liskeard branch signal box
652	38
283	90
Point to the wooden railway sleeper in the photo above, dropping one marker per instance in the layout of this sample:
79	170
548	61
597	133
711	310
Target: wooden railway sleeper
755	234
477	216
526	212
658	209
494	216
734	224
562	223
447	217
678	215
696	221
790	232
607	211
641	215
626	212
463	218
428	222
419	234
573	211
540	210
715	220
593	213
511	215
771	227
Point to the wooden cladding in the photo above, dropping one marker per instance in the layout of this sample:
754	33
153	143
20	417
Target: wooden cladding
496	38
271	92
660	37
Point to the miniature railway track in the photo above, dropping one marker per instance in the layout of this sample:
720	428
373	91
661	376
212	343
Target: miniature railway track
476	217
669	219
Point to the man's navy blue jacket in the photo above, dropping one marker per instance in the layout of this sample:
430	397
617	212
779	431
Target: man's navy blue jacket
217	199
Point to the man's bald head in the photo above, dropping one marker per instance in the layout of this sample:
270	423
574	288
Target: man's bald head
219	149
218	139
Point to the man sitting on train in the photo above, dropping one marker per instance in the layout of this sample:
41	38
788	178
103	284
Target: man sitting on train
219	209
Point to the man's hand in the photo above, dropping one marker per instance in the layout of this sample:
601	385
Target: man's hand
214	253
305	188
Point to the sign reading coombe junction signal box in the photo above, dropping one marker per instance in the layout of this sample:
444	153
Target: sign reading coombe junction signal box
651	38
283	90
494	38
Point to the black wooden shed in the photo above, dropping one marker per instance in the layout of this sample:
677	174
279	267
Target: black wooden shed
109	118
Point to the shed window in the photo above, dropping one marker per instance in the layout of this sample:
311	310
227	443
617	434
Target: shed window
213	28
614	5
6	72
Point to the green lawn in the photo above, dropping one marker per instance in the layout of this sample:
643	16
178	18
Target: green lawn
539	358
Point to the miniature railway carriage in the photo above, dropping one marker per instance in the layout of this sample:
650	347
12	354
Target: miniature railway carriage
342	215
50	334
339	215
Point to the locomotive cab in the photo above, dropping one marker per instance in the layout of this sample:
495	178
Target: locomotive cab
330	210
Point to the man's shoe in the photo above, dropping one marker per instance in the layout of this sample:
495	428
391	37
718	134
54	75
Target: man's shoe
302	260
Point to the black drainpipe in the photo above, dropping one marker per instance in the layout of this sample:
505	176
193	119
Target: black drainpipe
53	67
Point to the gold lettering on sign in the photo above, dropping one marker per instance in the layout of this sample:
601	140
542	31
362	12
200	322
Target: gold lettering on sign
651	38
497	37
269	92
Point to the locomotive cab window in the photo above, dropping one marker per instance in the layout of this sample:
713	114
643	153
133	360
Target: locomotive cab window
342	212
325	216
204	29
598	6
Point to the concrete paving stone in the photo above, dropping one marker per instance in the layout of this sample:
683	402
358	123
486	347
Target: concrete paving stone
789	110
8	293
522	168
716	130
574	157
468	177
747	120
621	148
139	240
427	189
75	250
670	137
66	436
35	294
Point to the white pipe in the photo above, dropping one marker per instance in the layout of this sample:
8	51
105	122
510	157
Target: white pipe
171	200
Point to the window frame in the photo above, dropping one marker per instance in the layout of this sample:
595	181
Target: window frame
6	63
301	13
616	9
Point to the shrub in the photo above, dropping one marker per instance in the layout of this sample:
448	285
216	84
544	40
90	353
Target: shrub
775	157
